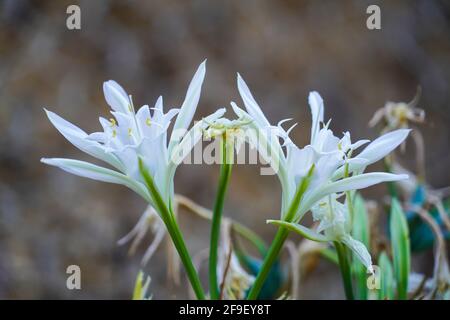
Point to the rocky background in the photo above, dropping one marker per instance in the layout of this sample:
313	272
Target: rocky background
284	49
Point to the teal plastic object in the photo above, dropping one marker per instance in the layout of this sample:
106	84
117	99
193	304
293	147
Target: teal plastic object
422	237
274	280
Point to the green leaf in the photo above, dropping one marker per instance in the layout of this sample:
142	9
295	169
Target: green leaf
387	278
141	287
400	248
305	232
360	231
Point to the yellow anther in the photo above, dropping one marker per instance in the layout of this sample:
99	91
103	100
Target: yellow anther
113	122
148	122
114	133
130	132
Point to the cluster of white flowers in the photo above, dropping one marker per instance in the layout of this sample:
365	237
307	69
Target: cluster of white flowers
327	162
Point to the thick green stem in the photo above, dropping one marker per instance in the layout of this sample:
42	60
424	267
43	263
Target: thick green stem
345	267
269	259
174	232
177	238
279	239
225	172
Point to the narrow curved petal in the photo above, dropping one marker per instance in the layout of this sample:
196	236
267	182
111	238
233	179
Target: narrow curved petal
353	165
352	183
239	112
361	181
316	104
92	171
188	141
191	138
383	145
116	97
360	250
250	104
190	103
81	140
359	143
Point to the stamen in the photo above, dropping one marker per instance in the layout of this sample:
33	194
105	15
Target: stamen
130	132
114	133
148	122
113	122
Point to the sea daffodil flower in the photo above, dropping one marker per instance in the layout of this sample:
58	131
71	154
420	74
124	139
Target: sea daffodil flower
328	156
135	144
130	135
316	171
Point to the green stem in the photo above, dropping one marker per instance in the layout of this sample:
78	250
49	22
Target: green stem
279	239
344	266
225	172
269	260
174	231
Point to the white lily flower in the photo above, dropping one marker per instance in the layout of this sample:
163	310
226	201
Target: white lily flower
326	158
131	135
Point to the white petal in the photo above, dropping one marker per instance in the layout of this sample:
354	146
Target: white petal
158	110
361	181
359	143
353	183
316	105
92	171
80	139
383	145
98	136
190	103
250	104
116	97
360	250
239	112
353	165
143	119
300	161
189	140
326	165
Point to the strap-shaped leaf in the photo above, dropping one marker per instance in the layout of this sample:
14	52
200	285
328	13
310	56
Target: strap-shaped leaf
400	248
386	278
141	287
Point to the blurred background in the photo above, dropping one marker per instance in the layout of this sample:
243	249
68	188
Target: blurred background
50	219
